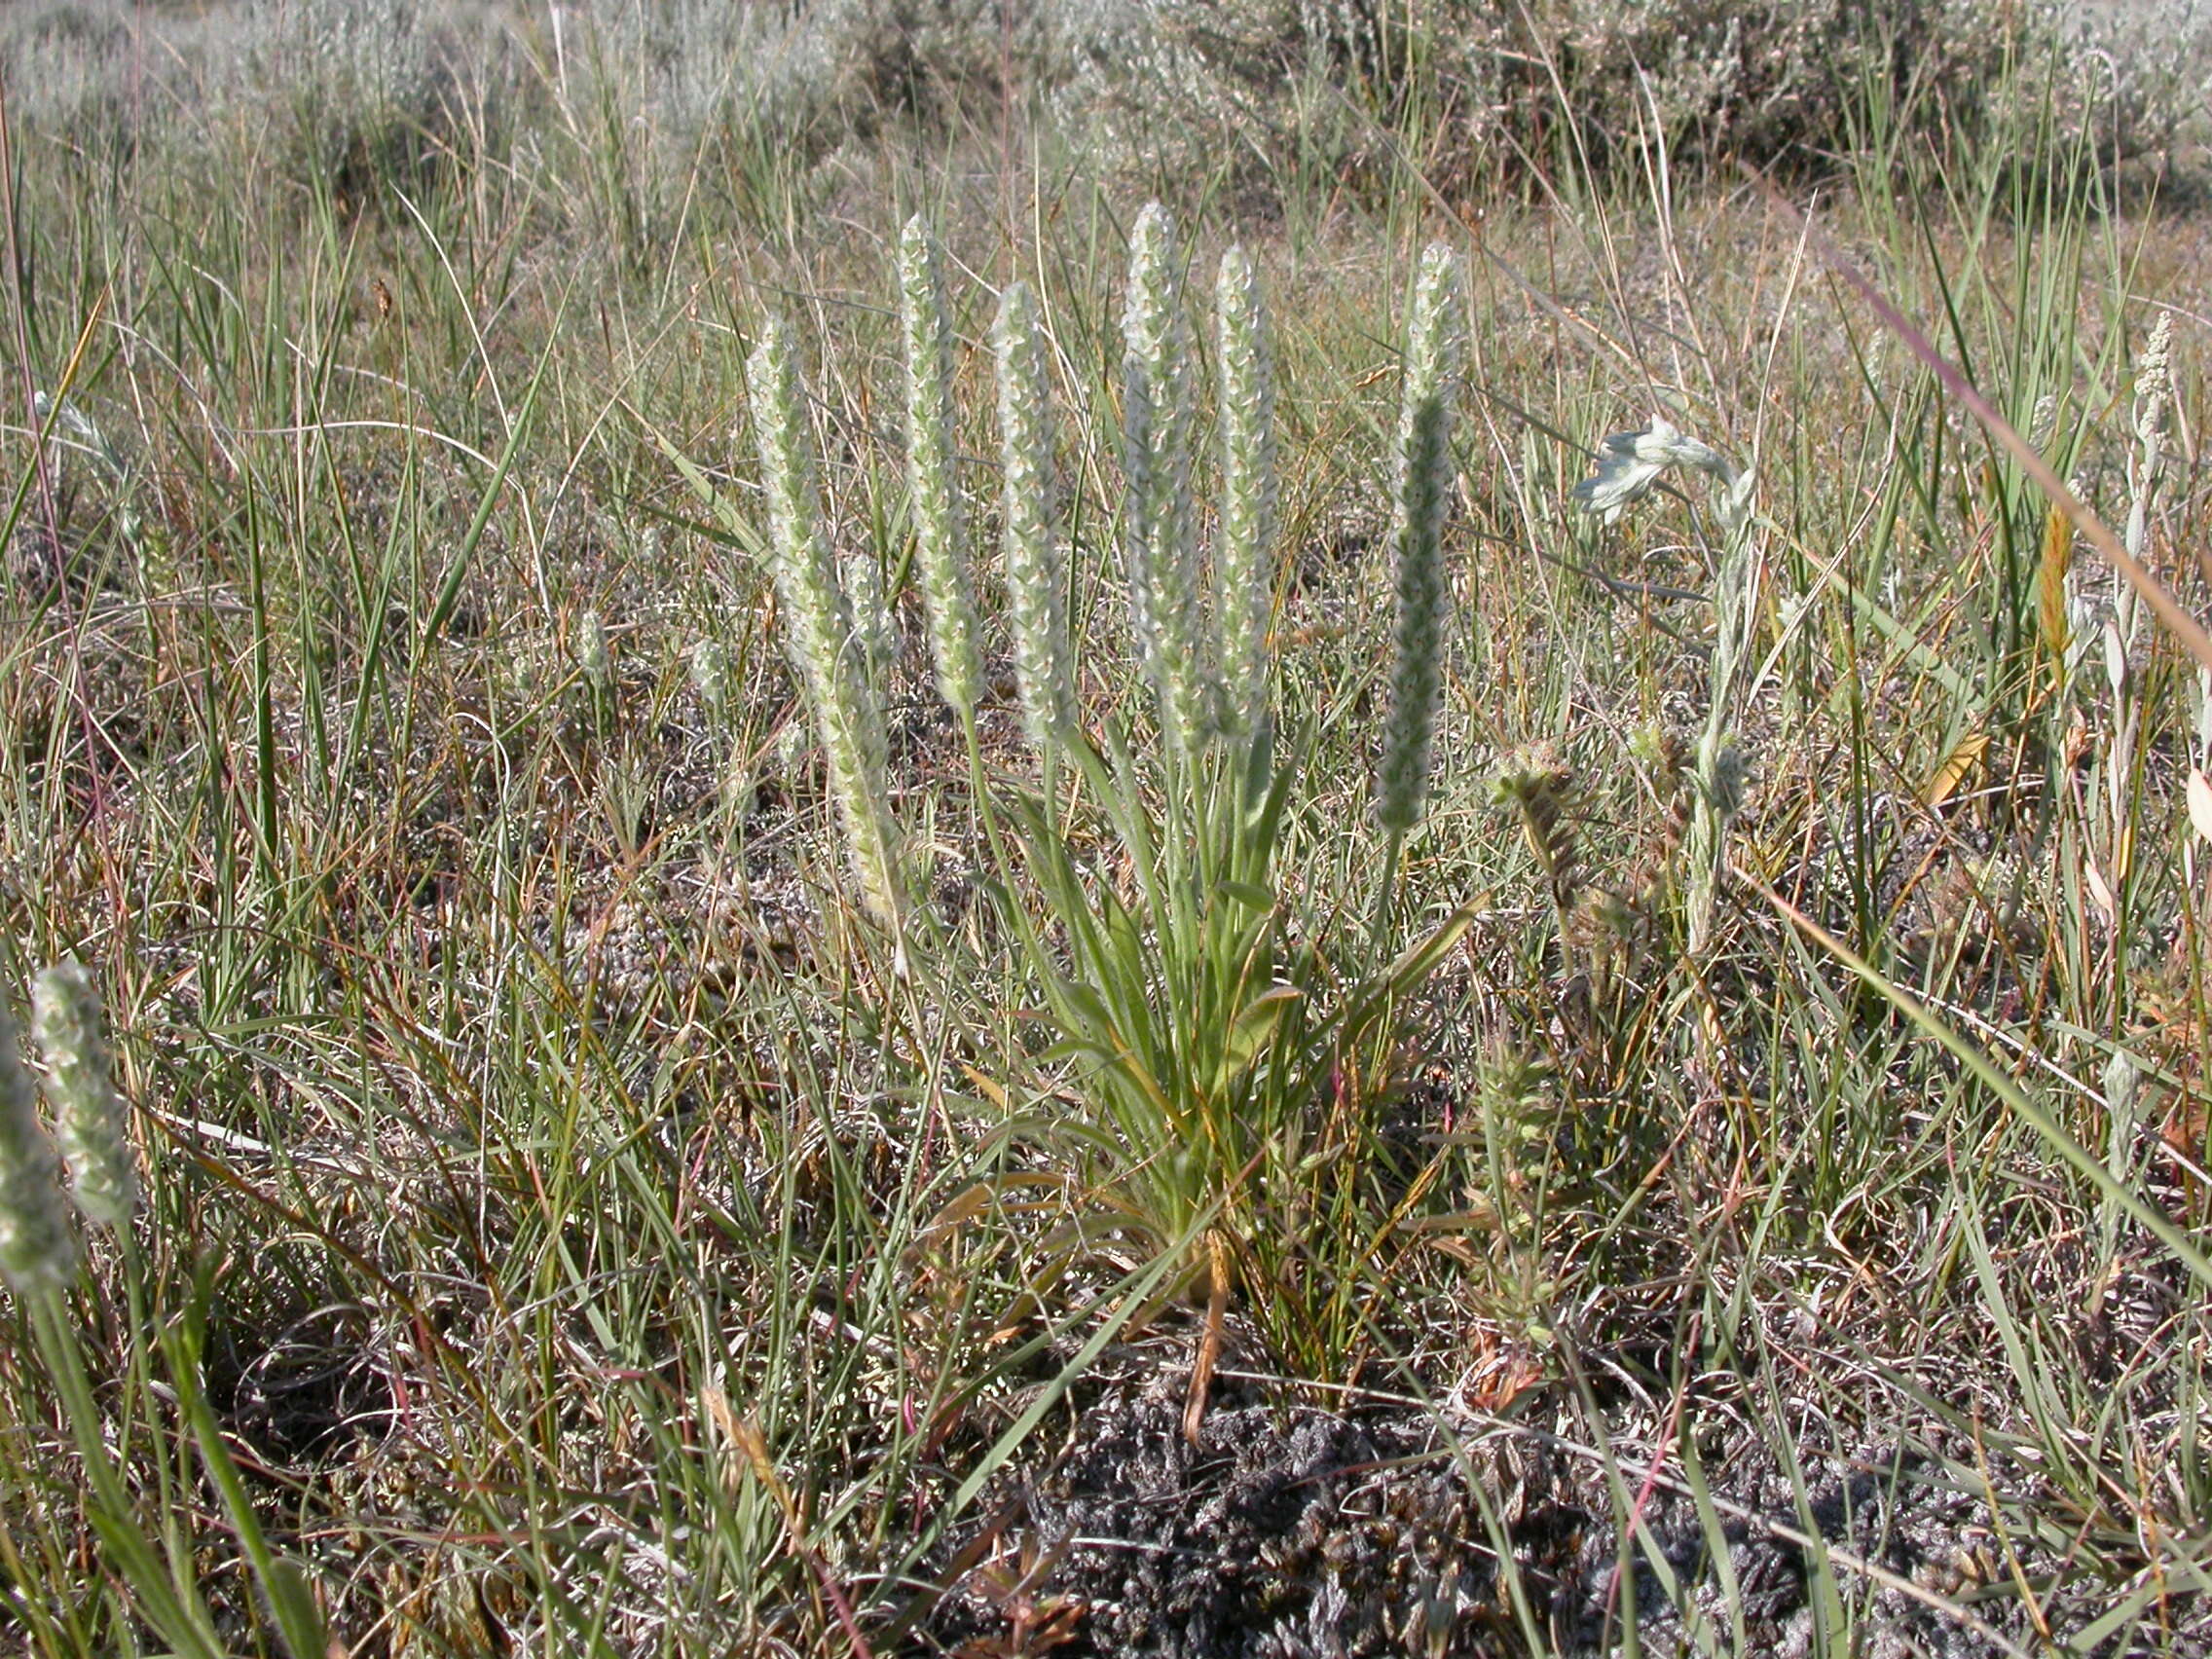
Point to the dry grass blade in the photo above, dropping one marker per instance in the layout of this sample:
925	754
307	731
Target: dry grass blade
1209	1340
749	1441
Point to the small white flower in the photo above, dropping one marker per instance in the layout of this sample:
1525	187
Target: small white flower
1630	463
81	430
74	420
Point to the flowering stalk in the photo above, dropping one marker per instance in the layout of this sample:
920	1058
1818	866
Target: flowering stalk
2122	634
90	1121
940	546
38	1254
1720	769
1435	342
1245	573
862	579
710	678
592	657
828	644
596	664
2154	401
1156	462
1035	576
1628	465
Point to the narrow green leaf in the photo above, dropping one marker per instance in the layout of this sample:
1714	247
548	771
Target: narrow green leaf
1251	1031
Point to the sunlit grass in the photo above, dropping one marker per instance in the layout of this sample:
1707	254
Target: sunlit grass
594	1223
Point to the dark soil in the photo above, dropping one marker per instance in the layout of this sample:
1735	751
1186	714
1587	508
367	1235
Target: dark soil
1290	1532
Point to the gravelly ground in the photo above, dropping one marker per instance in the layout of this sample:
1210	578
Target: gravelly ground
1290	1532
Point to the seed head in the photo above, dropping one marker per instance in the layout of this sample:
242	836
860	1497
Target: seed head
1157	414
36	1249
592	656
1541	793
1245	577
940	541
1035	577
1436	341
835	653
1725	779
90	1121
2154	383
2121	1075
710	677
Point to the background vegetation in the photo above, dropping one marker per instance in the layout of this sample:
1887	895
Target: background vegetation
583	1238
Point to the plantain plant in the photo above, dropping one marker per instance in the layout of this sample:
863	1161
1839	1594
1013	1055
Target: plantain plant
1206	1012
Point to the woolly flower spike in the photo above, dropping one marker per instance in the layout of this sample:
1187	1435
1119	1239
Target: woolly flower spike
862	581
2154	383
1156	461
1436	341
1246	573
710	677
830	648
1630	463
90	1117
36	1249
2154	400
592	656
1034	576
938	542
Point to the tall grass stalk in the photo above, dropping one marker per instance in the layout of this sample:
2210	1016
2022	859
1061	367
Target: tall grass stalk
1719	761
2125	634
1629	465
38	1259
91	1121
36	1249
